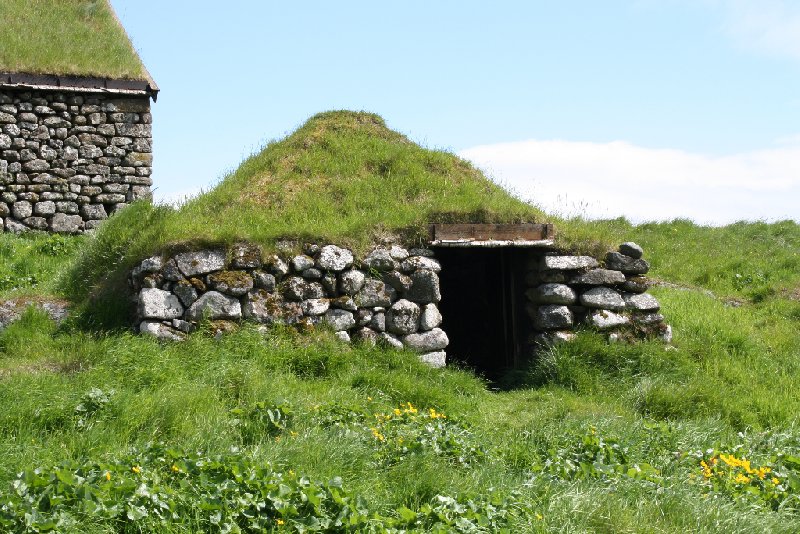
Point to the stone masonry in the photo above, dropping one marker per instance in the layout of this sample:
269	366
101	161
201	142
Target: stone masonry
390	296
69	160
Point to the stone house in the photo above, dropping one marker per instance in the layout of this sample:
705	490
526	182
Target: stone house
75	122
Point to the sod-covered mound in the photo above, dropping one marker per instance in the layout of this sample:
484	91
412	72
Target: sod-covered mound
343	177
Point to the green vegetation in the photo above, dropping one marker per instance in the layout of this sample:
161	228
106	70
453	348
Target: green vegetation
66	37
111	432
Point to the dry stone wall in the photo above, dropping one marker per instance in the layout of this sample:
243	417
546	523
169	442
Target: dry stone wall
69	160
390	296
565	292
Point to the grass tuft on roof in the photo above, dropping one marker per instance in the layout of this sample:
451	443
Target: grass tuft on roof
66	38
343	177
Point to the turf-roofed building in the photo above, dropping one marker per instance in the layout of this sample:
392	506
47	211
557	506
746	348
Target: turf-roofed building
75	123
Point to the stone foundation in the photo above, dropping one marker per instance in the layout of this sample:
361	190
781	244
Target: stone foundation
69	160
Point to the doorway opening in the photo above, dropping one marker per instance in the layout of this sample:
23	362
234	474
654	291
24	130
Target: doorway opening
483	306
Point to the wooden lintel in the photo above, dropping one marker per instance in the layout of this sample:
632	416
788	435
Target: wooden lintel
498	232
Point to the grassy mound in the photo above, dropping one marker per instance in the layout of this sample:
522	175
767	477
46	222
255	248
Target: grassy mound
78	37
342	177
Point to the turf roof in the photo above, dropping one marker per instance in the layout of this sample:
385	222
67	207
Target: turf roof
67	38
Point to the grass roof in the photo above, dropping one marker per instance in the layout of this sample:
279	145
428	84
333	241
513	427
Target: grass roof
66	37
343	177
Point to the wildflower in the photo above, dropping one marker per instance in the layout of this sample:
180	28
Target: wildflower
539	516
377	435
369	398
291	473
293	433
397	411
107	476
775	481
280	521
741	479
175	469
136	469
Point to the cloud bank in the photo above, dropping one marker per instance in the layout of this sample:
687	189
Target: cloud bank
605	180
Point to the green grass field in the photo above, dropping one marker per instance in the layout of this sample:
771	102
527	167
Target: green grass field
104	431
66	37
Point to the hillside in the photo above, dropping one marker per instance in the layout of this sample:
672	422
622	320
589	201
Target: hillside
73	38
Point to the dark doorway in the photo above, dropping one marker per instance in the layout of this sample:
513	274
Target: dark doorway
483	307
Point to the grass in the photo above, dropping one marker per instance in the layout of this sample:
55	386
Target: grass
555	446
66	37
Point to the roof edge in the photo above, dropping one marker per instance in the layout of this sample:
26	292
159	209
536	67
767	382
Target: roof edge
87	84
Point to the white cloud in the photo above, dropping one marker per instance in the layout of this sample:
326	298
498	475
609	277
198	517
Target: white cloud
601	180
771	26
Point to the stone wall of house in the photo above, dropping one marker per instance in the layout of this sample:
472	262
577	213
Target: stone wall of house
69	160
390	296
565	292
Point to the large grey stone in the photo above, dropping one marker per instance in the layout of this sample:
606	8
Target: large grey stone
380	260
398	253
295	288
22	209
378	322
186	292
431	317
66	224
424	287
553	316
399	281
626	264
604	319
414	263
599	277
351	282
263	307
603	298
236	283
15	227
437	359
390	340
45	208
201	262
158	304
429	341
552	294
153	264
94	212
647	318
277	267
403	317
374	293
214	305
568	263
161	331
302	262
641	302
264	280
315	306
340	319
636	284
333	258
631	249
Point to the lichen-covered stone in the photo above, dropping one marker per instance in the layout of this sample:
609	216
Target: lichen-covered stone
403	317
431	317
333	258
604	319
315	306
553	317
161	331
380	260
390	340
603	298
295	288
641	302
424	287
374	293
414	263
302	262
340	319
262	307
399	281
158	304
552	294
201	262
214	305
636	284
568	263
236	283
186	292
437	359
626	264
432	340
263	280
599	277
351	282
245	256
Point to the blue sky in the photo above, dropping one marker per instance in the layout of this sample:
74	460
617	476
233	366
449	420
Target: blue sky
648	109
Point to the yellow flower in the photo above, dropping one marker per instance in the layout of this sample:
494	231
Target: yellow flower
369	398
293	433
108	476
775	481
136	469
175	469
397	411
378	435
280	521
539	516
741	479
